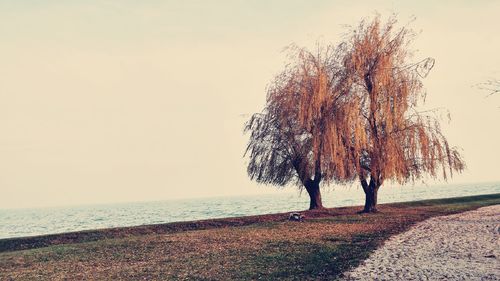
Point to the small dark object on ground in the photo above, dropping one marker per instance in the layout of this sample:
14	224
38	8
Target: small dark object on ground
296	217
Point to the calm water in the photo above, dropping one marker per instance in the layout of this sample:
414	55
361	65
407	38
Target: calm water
28	222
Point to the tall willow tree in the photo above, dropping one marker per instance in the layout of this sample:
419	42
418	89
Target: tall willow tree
390	139
298	137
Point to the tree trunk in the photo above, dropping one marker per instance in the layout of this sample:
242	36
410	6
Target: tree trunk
371	191
315	194
371	201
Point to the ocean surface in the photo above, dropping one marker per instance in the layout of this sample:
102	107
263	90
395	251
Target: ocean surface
37	221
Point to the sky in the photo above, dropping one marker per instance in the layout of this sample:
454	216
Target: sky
117	101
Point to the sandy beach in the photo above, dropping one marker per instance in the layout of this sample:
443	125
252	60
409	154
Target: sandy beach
463	246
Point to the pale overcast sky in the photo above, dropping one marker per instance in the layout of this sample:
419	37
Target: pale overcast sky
112	101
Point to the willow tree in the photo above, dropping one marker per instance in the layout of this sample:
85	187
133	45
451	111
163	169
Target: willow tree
298	137
390	139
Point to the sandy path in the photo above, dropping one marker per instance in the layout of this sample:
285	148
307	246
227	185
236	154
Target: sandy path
464	246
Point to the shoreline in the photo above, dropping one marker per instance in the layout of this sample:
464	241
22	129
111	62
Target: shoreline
325	245
19	223
36	241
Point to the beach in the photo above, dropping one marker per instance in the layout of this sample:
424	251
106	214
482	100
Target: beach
463	246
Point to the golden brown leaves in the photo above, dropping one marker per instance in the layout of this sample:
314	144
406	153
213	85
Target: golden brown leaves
350	110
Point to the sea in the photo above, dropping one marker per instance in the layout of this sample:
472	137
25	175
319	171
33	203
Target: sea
50	220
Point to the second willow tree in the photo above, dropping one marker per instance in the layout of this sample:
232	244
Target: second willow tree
390	138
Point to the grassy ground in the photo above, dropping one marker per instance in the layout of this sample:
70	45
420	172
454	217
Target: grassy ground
251	248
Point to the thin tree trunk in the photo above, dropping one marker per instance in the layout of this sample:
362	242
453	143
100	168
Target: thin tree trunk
314	192
371	201
371	191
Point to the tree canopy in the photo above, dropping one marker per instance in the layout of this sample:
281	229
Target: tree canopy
391	139
347	112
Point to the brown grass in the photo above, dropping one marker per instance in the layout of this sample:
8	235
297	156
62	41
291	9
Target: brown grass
258	247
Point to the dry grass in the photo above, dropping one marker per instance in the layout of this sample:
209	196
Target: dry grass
259	247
